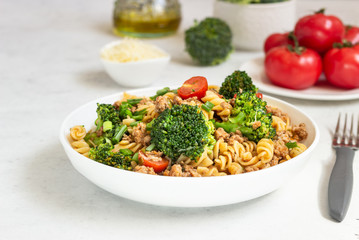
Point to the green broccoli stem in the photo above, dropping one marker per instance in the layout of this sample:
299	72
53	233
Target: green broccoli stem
141	112
126	152
120	131
135	157
207	106
134	101
227	126
150	147
107	125
98	123
150	124
160	92
163	91
133	124
238	119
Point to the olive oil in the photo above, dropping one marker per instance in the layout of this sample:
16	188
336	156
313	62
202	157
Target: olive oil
138	26
146	18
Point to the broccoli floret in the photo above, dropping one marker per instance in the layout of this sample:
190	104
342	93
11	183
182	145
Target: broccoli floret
181	129
106	112
236	83
120	160
209	42
102	152
250	116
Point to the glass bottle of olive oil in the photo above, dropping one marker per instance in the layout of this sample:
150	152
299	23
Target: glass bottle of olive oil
146	18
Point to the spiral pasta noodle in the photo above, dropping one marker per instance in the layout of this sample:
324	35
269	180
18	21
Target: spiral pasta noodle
278	124
203	161
77	132
300	148
81	146
235	168
126	144
265	148
208	115
221	107
223	161
209	171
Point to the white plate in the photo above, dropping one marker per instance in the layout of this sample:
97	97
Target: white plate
321	91
185	191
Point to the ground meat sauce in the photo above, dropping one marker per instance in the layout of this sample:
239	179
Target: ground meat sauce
299	132
178	171
161	104
144	169
140	134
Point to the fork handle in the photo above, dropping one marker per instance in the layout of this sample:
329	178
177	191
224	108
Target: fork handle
341	183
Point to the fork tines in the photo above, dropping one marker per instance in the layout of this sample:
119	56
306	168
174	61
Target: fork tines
345	138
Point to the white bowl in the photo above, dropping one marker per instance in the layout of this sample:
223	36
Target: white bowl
185	191
135	74
251	24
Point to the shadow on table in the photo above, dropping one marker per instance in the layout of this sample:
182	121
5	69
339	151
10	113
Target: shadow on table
96	79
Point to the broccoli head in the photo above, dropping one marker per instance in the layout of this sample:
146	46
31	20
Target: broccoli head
120	160
103	154
236	83
106	112
209	42
250	116
181	129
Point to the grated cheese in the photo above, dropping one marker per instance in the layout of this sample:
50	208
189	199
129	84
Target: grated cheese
131	50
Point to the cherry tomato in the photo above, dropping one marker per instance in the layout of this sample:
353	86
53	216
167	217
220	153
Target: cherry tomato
158	166
194	87
276	40
259	95
352	34
341	66
319	31
289	69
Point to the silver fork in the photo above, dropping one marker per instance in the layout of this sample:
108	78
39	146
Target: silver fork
341	180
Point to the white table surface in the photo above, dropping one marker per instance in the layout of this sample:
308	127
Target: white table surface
49	65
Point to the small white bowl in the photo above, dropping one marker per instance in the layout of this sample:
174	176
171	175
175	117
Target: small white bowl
135	74
185	191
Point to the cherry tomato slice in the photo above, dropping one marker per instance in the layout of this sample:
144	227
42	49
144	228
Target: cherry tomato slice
194	87
158	166
259	95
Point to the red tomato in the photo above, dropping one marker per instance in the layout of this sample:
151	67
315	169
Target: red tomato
352	34
259	95
319	31
289	69
276	40
194	87
158	166
341	67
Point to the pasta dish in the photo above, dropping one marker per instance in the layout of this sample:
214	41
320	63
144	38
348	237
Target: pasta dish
197	130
